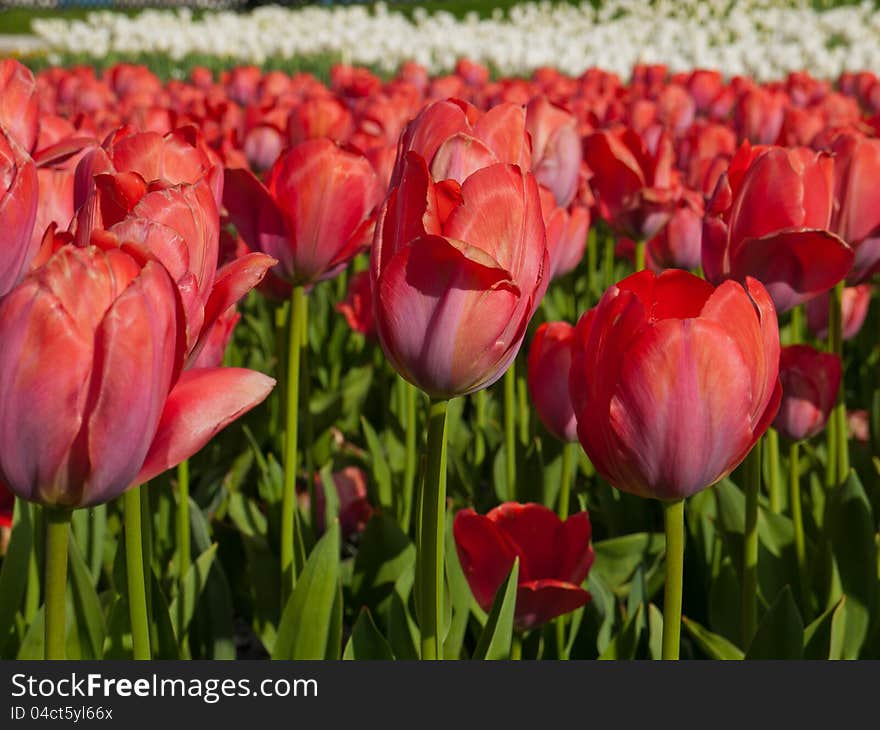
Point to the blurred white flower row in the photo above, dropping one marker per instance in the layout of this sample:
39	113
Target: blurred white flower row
761	39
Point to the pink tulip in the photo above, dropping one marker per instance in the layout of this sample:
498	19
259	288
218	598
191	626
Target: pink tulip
77	334
810	381
18	211
549	370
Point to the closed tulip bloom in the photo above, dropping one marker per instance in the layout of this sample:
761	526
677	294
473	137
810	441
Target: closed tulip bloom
674	380
19	104
770	218
77	335
549	369
354	509
457	273
853	308
314	213
556	148
810	381
567	230
856	217
679	244
18	211
554	559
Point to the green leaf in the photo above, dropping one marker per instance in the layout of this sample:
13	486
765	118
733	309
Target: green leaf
618	557
852	540
183	606
781	633
380	470
714	645
497	634
626	642
331	495
823	638
366	641
598	617
88	615
14	574
385	553
655	632
162	639
307	624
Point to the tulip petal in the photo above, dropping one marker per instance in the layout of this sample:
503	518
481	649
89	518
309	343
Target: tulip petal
794	265
540	601
577	554
485	555
533	530
202	403
459	157
680	377
503	129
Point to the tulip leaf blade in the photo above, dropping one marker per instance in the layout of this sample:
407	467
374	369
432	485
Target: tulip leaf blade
460	598
655	632
88	628
14	573
307	624
183	606
380	470
713	645
618	558
626	642
781	632
497	636
823	638
852	539
366	641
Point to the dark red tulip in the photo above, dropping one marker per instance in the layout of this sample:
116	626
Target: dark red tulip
314	213
18	211
549	368
810	381
636	188
673	380
77	333
854	309
355	509
770	218
554	558
357	308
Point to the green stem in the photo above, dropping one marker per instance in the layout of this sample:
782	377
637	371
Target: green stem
749	609
774	484
608	263
57	539
480	398
837	432
673	513
134	567
568	457
797	325
522	396
432	533
592	256
640	255
515	647
288	500
561	645
797	518
510	430
409	471
32	593
184	556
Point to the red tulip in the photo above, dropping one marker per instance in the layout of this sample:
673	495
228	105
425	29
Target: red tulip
554	559
674	380
357	308
314	213
856	217
810	381
679	244
567	231
217	339
854	309
19	104
262	146
457	273
549	369
556	149
769	218
77	334
455	139
317	117
18	211
636	188
355	510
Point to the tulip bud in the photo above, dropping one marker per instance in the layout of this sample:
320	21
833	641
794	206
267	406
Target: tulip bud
854	310
549	369
810	381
